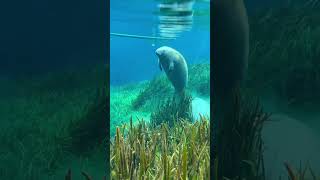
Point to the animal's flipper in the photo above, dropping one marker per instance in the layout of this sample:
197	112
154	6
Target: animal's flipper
159	65
182	97
179	95
171	66
183	102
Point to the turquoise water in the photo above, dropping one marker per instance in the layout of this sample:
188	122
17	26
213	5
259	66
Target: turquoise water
132	59
182	25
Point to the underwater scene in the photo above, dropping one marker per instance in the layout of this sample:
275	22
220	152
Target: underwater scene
266	127
53	92
263	93
266	80
159	89
52	123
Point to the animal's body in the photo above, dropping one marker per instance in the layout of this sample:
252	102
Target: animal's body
230	44
175	67
230	52
230	58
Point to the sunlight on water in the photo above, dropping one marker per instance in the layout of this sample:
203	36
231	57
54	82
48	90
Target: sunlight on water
175	17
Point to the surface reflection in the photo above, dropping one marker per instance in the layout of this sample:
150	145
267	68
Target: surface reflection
175	17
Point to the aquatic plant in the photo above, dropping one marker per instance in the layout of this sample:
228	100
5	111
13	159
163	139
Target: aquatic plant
157	88
172	110
163	152
199	79
160	87
284	48
300	174
35	137
238	142
68	176
121	109
91	129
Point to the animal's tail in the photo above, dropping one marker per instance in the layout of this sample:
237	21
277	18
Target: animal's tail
179	96
183	103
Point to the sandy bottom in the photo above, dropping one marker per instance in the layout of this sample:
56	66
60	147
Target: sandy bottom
292	137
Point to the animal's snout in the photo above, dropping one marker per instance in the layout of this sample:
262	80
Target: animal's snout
157	52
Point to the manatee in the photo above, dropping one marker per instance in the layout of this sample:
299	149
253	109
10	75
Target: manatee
230	50
175	67
230	45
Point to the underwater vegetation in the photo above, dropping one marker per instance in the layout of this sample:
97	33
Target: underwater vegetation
141	99
36	137
199	79
301	173
239	145
169	146
84	174
160	87
285	52
173	110
121	110
283	60
91	129
157	88
161	152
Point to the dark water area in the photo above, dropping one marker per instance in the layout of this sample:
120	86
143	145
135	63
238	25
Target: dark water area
51	35
254	4
293	134
49	54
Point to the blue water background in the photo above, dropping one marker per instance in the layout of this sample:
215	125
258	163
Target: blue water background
133	60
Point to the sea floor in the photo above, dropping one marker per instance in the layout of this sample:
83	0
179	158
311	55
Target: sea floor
121	110
35	114
292	135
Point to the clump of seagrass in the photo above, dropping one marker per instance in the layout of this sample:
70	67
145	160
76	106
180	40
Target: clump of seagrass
157	88
173	110
301	174
239	142
179	152
284	47
161	87
91	129
200	79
